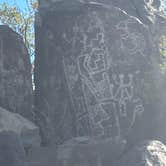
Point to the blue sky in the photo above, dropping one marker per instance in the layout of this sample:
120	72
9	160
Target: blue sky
22	4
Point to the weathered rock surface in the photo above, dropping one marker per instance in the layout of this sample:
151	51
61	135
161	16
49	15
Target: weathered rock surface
11	150
144	10
78	151
97	79
15	74
26	130
42	156
85	151
148	153
93	71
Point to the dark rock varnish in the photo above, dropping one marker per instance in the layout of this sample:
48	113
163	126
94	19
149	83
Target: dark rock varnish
94	67
15	74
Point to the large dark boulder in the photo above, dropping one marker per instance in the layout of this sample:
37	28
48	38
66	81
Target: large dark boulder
15	73
94	73
144	10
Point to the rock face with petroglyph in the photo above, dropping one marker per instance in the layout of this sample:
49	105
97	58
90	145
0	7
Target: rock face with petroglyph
91	69
15	73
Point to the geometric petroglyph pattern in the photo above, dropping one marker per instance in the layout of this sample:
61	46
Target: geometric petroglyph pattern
99	95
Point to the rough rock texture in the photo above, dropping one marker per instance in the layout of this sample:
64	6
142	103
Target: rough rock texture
94	73
42	156
80	151
11	150
26	130
15	74
148	153
148	12
85	151
145	10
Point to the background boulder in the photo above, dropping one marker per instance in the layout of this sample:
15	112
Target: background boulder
15	73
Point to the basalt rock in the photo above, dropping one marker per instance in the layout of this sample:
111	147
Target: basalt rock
15	73
94	73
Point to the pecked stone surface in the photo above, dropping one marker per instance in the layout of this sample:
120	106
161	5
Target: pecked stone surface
15	74
93	73
147	153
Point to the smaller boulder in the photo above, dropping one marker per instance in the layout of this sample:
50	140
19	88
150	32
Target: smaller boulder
11	150
148	153
15	74
26	130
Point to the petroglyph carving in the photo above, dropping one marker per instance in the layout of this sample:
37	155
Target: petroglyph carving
111	92
125	90
131	41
